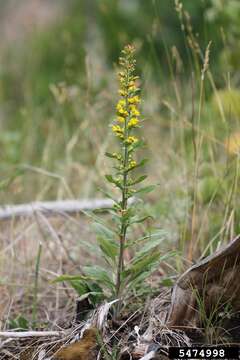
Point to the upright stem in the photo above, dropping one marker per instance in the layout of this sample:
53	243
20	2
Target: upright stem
35	291
124	205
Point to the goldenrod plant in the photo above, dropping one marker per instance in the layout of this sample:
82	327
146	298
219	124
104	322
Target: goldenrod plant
127	121
118	279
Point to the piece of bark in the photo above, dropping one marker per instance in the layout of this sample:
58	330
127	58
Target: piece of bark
213	283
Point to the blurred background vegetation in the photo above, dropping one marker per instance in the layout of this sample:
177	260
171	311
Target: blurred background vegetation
58	89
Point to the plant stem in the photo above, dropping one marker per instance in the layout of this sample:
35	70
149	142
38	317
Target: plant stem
35	293
124	206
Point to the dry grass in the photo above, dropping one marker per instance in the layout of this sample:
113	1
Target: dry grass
63	251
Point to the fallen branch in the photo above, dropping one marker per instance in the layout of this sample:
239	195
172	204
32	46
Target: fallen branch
53	207
27	334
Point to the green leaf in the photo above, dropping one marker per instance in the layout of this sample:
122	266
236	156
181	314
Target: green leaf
94	287
20	323
97	273
108	195
113	181
110	155
89	289
168	255
142	265
140	279
145	189
140	220
156	235
69	278
137	181
141	163
103	231
148	247
135	146
109	248
167	282
81	287
23	322
97	219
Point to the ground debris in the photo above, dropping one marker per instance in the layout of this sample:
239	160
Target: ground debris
209	290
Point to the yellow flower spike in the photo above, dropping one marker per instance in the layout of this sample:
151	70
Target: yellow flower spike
132	123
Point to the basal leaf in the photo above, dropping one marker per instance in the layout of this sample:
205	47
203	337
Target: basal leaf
81	287
97	273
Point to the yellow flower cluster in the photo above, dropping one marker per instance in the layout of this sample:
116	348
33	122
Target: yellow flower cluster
131	140
132	164
134	110
121	108
134	100
127	107
118	131
133	122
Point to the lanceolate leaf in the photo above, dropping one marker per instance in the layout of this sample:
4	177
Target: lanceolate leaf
146	189
108	195
69	278
141	163
97	273
134	284
97	219
161	234
109	248
149	246
138	221
137	181
103	231
111	179
110	155
142	265
136	146
80	286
